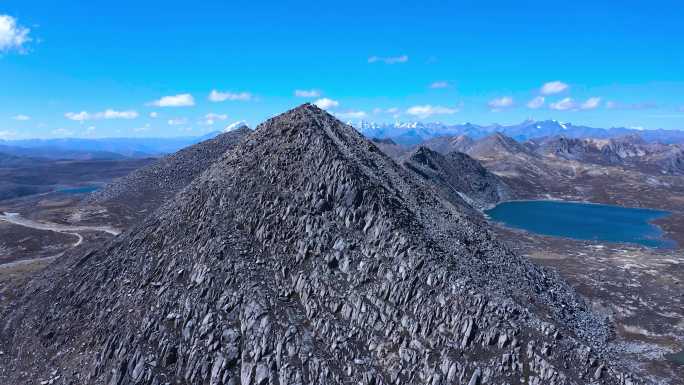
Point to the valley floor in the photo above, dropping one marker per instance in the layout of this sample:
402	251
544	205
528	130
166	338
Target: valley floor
34	232
640	288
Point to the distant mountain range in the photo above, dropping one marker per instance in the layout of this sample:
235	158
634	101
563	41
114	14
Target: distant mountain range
412	133
405	134
106	148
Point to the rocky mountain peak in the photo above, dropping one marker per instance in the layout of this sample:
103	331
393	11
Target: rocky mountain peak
304	117
304	255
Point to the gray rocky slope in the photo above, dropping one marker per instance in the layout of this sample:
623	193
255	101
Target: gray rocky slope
391	148
457	175
447	144
145	189
304	256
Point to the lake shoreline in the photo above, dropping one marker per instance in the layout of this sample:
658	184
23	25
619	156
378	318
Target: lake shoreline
621	225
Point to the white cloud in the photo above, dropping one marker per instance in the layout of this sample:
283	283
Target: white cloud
388	59
427	110
440	84
554	87
307	93
12	35
180	100
154	114
569	104
108	114
325	103
351	115
211	118
22	118
113	114
62	132
77	116
500	103
177	121
591	103
564	105
218	96
536	103
90	130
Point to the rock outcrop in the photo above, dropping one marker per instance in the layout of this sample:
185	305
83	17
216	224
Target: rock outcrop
458	176
305	256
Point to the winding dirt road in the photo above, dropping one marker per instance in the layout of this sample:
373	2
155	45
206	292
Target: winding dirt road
16	219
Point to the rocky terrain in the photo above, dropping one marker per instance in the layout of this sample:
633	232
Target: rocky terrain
638	288
459	177
628	152
391	148
625	171
143	190
304	255
445	145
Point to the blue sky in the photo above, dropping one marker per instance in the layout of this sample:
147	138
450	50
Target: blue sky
148	68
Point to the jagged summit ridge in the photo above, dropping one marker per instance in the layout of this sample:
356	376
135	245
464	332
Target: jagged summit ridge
305	255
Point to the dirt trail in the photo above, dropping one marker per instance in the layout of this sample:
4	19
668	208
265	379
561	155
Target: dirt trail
16	219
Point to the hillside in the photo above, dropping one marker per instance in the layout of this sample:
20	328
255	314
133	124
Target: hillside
143	190
459	177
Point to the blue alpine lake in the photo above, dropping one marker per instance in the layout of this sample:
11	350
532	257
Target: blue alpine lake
78	190
583	221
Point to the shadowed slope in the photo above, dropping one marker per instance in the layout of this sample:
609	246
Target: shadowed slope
459	177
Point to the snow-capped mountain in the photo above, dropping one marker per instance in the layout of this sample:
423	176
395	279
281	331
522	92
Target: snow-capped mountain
411	133
235	125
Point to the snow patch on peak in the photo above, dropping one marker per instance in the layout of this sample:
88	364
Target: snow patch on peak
235	125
